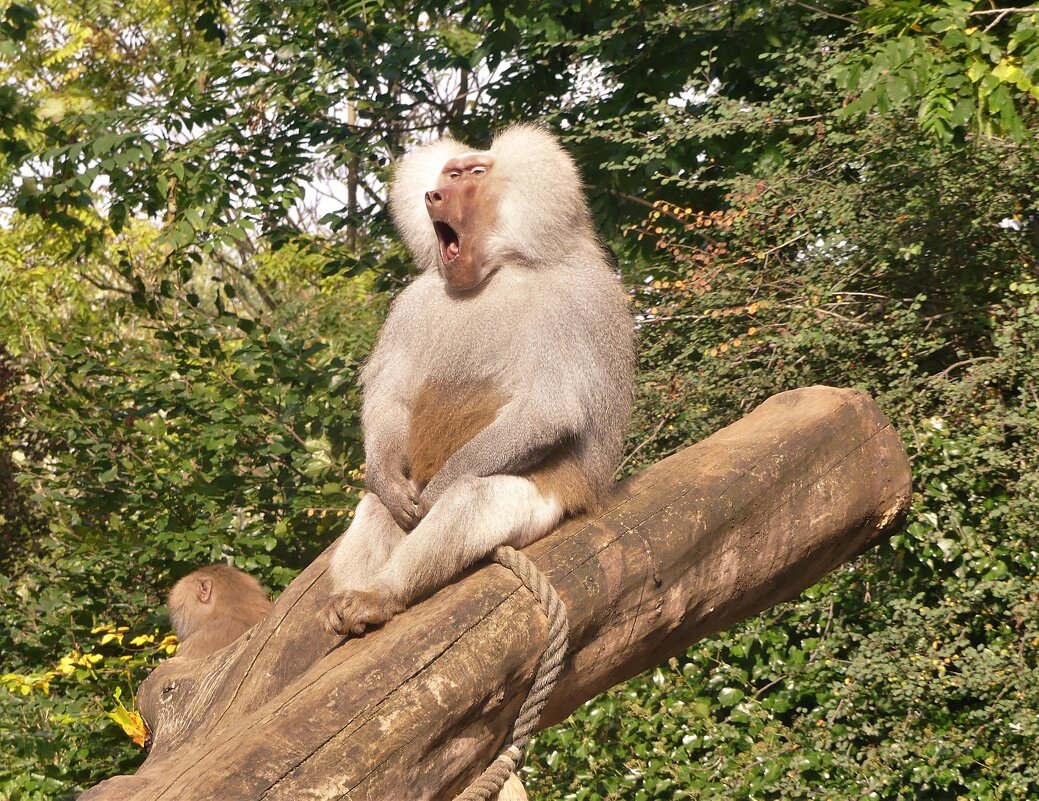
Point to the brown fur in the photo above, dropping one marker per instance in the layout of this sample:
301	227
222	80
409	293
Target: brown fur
214	606
443	419
562	477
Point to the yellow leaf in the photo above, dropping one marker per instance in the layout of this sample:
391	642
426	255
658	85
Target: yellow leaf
1007	72
52	109
131	722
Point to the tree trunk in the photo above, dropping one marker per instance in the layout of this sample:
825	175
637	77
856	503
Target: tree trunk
745	519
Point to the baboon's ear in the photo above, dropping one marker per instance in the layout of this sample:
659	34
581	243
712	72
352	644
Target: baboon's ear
205	590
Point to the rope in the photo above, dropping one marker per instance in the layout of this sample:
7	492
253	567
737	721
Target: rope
490	782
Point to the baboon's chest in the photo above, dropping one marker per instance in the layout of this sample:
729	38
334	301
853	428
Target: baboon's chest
445	417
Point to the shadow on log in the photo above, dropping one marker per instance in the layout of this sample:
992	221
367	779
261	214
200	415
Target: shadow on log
745	519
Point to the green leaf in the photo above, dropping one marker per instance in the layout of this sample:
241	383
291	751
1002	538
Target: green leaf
897	90
730	696
977	70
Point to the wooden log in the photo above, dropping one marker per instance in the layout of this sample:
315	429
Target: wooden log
745	519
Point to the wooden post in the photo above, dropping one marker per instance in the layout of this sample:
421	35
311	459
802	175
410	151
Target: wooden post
745	519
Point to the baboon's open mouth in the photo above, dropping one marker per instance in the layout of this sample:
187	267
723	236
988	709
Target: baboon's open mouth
449	240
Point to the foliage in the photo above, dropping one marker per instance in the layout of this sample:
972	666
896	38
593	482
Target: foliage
21	522
965	66
854	253
194	255
74	717
183	432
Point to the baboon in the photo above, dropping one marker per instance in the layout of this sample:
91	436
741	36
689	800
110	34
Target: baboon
497	396
214	606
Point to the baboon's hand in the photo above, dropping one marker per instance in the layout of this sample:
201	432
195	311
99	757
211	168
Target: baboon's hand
399	495
349	613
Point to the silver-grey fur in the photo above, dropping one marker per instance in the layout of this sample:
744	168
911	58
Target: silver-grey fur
549	328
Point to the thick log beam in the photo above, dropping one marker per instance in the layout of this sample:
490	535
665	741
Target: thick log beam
745	519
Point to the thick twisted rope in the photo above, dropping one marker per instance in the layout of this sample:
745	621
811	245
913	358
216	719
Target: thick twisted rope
490	782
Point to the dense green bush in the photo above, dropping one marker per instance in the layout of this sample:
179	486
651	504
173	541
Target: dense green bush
914	672
21	522
184	434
